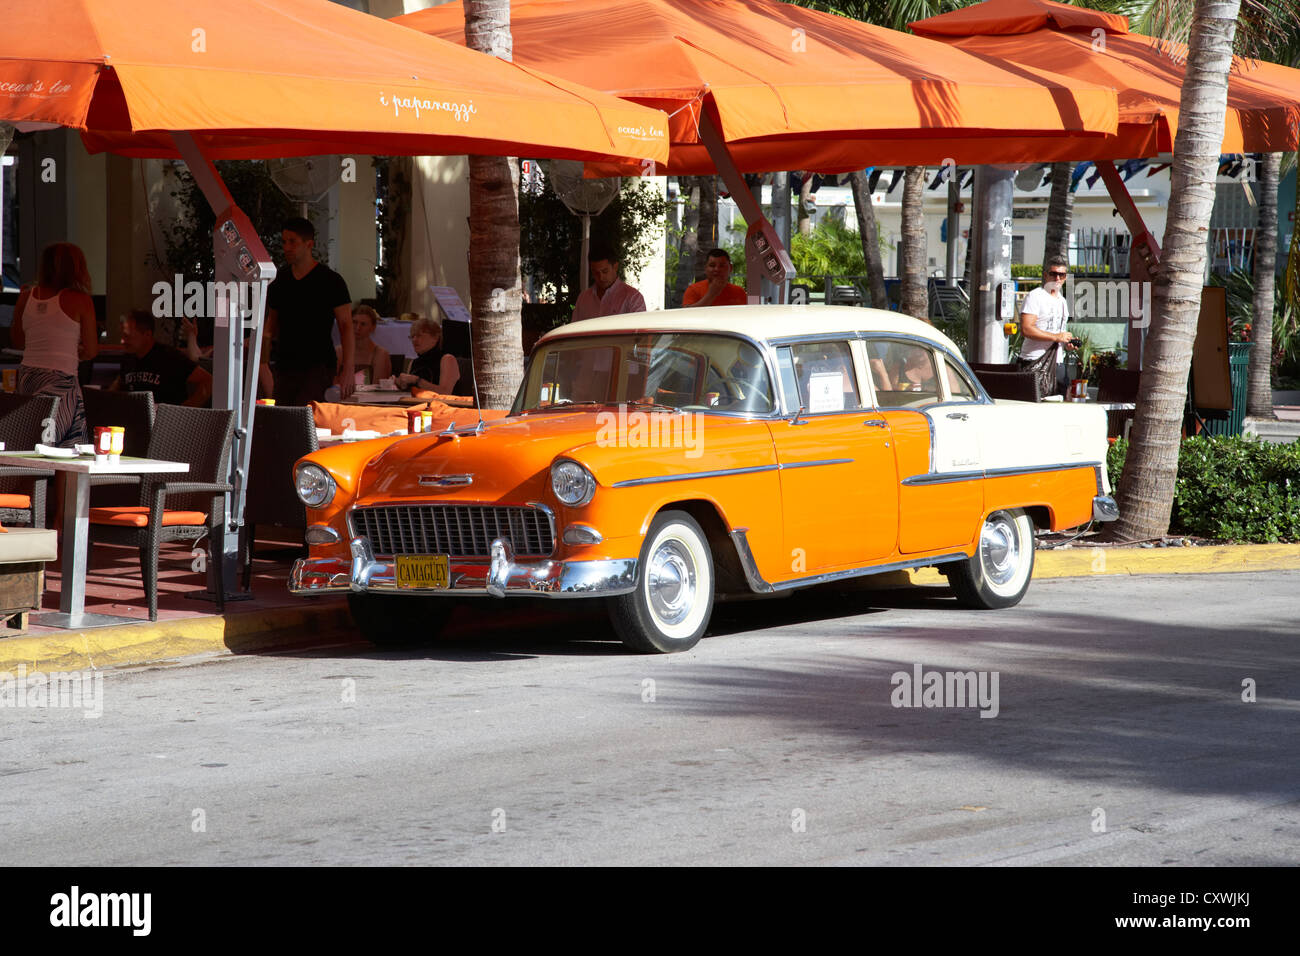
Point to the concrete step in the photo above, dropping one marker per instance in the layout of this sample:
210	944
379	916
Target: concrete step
1280	432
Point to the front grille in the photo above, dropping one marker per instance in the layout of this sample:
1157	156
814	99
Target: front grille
462	531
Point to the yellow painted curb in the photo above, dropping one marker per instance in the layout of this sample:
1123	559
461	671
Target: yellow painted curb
1085	562
145	643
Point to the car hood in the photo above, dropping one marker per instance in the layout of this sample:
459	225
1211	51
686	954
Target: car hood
511	458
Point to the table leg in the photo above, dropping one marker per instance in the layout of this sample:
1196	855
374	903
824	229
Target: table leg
76	544
76	534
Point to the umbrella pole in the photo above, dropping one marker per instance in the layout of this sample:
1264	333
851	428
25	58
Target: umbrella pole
765	254
240	258
584	276
1144	260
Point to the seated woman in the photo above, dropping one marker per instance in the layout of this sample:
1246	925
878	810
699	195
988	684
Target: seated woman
433	369
371	362
906	368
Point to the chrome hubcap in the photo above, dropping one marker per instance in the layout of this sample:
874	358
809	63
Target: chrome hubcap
999	550
671	582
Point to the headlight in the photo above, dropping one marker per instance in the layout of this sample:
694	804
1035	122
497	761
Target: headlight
314	484
572	483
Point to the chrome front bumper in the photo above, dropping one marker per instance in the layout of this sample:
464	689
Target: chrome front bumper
503	575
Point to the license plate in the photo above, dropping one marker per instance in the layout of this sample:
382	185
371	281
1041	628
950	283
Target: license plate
422	571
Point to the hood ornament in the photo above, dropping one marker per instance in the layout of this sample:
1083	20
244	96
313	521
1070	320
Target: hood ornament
446	481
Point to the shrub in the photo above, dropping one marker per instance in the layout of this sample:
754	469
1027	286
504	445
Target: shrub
1231	488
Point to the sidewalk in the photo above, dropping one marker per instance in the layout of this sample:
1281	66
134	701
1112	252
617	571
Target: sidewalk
274	619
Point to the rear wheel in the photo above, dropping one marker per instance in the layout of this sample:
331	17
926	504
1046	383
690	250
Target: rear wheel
998	574
673	600
394	621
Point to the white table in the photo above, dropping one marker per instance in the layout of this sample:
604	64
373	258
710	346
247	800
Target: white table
76	518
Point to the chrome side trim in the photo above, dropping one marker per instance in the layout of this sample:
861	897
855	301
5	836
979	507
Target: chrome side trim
943	478
809	464
758	585
870	569
740	538
1030	469
634	482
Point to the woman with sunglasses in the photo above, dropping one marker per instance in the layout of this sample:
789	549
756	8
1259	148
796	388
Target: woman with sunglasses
1042	322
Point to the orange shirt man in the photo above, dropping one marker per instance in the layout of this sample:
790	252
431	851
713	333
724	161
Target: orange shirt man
714	289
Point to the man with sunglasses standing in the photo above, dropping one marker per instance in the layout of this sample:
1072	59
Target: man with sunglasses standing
1042	322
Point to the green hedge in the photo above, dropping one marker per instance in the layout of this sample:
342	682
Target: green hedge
1231	488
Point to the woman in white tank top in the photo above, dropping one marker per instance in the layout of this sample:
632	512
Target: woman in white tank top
54	325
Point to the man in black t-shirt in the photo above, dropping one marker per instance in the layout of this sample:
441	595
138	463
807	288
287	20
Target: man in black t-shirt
149	366
302	305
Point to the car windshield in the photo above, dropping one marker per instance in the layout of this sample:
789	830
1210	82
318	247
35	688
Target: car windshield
686	370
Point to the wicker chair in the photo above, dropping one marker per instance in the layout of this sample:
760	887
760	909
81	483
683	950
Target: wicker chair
1015	386
23	491
133	411
281	435
201	437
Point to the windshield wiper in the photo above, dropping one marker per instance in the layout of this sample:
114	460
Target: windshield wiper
667	408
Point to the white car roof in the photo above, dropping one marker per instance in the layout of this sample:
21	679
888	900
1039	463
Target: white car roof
761	322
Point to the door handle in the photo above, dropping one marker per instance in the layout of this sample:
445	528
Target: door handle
959	416
876	423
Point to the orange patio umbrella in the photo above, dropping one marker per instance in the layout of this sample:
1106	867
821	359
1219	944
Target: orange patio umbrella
1263	98
212	79
256	78
791	88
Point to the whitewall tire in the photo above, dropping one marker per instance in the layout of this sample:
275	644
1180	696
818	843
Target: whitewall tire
670	608
997	575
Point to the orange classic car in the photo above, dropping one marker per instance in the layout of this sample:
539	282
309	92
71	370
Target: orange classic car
656	460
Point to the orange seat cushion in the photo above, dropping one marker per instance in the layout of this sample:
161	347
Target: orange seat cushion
15	501
137	516
333	415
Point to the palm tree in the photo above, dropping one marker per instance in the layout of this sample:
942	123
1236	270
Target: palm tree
915	297
1147	493
869	234
495	282
1259	387
1060	215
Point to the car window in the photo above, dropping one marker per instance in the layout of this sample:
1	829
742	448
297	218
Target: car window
697	371
823	376
960	388
904	374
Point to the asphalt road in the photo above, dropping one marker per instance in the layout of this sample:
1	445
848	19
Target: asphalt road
1121	737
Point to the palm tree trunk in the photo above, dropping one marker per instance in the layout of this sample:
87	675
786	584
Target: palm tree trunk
707	229
1060	214
688	188
1259	388
495	283
805	204
915	299
1147	493
870	236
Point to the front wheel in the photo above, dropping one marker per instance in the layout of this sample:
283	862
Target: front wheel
388	620
997	574
670	607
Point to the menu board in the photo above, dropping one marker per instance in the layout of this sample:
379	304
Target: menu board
450	303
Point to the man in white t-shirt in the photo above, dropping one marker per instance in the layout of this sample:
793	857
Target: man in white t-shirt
607	294
1043	318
